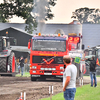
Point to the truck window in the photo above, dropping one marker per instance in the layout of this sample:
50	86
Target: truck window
49	45
90	52
98	52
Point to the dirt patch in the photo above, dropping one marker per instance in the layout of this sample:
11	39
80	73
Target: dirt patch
11	87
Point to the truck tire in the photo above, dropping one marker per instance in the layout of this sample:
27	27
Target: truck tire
11	62
33	78
3	63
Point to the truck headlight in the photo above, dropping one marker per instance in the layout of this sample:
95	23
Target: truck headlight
34	67
61	67
46	68
61	72
34	71
42	68
49	69
53	68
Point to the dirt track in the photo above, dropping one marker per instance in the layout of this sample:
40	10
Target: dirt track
11	88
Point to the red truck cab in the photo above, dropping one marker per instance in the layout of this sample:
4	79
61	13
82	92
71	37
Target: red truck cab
46	55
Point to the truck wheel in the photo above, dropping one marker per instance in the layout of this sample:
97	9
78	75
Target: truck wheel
3	64
11	62
33	78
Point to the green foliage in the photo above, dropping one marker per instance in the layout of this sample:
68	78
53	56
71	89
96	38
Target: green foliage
23	9
82	93
49	15
87	15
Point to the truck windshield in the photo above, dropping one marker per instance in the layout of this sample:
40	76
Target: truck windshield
90	52
49	45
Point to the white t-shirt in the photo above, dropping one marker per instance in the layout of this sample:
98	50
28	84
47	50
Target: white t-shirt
71	70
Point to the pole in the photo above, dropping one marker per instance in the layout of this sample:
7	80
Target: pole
24	95
50	91
21	96
81	75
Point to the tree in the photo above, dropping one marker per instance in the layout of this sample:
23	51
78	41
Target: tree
87	15
23	9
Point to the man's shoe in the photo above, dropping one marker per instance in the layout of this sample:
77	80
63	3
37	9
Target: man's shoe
95	86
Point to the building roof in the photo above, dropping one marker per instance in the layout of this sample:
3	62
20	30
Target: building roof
90	32
16	25
51	28
21	31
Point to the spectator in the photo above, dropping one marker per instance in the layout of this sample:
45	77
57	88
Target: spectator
93	72
21	65
69	79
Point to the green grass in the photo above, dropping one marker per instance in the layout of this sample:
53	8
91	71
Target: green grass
26	74
82	93
89	76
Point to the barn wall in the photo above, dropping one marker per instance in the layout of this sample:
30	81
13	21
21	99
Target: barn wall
22	38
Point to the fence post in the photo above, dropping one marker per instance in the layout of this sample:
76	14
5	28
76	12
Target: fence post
50	91
24	95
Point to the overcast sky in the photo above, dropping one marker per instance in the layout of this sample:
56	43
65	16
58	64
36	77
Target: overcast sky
64	8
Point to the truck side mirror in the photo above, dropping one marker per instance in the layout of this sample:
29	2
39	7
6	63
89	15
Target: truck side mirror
83	46
69	47
29	44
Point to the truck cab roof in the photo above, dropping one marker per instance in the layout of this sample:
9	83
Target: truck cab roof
48	38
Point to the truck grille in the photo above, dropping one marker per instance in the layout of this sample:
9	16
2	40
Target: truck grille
47	59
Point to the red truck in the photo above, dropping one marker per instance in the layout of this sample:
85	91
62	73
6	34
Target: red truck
46	55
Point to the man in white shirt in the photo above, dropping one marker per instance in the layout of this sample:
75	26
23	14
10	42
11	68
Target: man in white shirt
69	79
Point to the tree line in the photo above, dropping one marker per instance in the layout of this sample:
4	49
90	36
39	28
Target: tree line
24	8
87	15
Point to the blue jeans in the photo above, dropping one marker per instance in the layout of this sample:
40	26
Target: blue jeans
19	69
69	94
93	76
22	70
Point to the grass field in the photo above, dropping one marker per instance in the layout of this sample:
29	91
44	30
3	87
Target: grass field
82	93
26	74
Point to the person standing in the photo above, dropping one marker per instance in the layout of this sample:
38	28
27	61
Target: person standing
93	72
21	65
69	79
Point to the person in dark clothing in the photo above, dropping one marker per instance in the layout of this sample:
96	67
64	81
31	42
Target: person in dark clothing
21	65
93	72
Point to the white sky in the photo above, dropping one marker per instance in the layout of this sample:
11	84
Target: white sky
64	8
